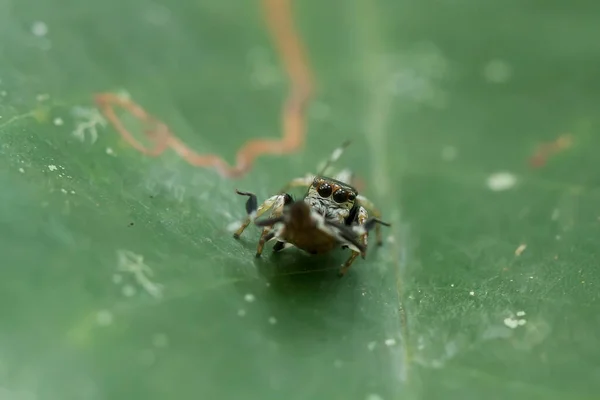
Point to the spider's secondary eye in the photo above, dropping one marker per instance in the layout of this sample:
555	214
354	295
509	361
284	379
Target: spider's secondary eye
340	196
351	196
324	190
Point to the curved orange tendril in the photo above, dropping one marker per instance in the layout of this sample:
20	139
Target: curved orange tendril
278	16
547	150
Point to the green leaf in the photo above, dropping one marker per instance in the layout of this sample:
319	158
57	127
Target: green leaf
120	278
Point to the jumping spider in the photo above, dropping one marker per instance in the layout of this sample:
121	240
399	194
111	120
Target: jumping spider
330	214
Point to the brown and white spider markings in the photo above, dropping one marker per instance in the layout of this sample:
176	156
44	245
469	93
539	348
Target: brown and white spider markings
331	214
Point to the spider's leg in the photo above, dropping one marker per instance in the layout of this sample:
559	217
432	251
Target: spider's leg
362	230
307	180
278	246
304	181
371	223
346	175
335	155
361	218
267	234
368	205
269	230
254	211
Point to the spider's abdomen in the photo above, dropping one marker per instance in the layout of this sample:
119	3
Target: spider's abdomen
302	231
312	240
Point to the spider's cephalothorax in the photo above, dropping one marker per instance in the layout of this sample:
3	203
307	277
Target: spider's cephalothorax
332	198
331	214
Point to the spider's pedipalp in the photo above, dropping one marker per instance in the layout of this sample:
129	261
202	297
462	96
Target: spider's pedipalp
349	237
369	225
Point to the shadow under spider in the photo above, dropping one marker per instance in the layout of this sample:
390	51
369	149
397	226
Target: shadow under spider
293	271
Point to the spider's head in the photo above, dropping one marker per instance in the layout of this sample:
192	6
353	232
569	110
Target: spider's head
331	198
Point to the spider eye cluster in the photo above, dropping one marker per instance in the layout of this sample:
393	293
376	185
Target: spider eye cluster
340	195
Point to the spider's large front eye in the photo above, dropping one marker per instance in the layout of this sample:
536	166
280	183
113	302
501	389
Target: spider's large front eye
324	190
340	196
351	196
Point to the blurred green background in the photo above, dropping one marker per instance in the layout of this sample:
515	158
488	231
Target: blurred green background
120	279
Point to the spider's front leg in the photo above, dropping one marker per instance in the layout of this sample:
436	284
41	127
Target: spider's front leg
304	181
273	203
361	219
368	205
364	225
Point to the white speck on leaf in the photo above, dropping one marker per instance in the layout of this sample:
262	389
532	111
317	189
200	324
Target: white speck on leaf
497	71
42	97
374	396
128	291
511	322
147	357
452	285
58	121
249	297
520	249
160	340
110	151
272	320
264	73
39	28
52	167
320	111
157	15
472	293
104	318
128	261
501	181
241	312
449	153
117	279
21	170
89	118
3	93
64	191
390	342
233	226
